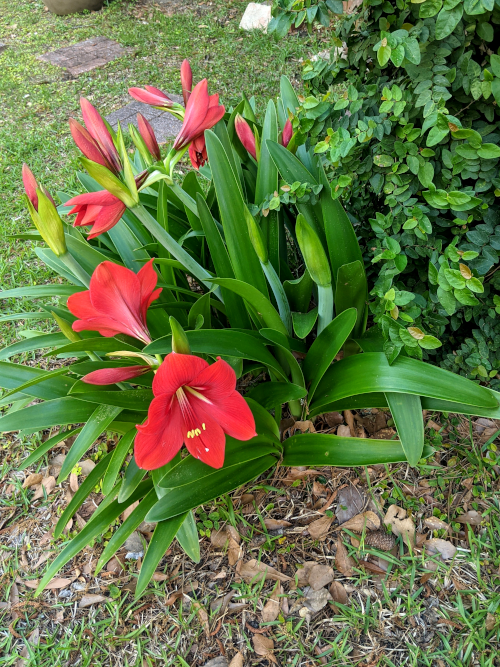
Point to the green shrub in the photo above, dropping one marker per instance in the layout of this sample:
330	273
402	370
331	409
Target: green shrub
411	145
295	13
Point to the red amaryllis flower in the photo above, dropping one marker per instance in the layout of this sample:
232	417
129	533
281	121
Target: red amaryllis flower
202	112
245	135
117	301
152	96
287	133
186	80
100	209
198	152
95	142
148	135
195	404
112	375
30	187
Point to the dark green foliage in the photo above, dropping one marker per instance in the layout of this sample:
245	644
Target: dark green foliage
412	149
295	13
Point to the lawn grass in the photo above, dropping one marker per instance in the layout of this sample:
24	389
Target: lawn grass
425	612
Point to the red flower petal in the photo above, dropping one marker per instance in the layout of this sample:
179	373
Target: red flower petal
99	198
30	185
216	382
176	371
186	80
231	413
87	144
245	135
287	133
107	218
100	133
160	438
112	375
206	444
148	135
148	279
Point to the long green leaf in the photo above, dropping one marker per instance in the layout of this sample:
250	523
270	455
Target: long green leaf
98	344
35	343
326	347
118	456
288	95
47	446
190	469
352	291
187	536
133	521
244	260
58	412
236	311
370	372
85	488
343	246
267	173
254	297
406	410
132	399
185	498
38	291
98	524
13	376
162	538
322	449
133	477
231	343
36	380
283	344
99	421
271	394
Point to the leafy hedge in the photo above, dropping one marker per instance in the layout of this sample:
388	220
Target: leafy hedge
288	14
412	136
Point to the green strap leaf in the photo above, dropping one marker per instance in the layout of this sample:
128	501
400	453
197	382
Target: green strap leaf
98	344
133	477
132	399
36	380
54	387
187	536
267	173
100	419
326	347
135	518
352	291
118	456
370	372
255	298
185	498
233	213
36	343
406	410
231	343
321	449
38	291
271	394
47	446
96	526
288	96
58	412
80	496
162	538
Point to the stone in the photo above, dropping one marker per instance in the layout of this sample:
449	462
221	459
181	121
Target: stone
85	56
3	46
256	17
165	125
134	547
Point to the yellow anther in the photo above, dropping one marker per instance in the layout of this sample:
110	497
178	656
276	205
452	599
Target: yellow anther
197	431
203	427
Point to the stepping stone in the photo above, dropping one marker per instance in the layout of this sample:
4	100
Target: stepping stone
256	17
163	123
85	56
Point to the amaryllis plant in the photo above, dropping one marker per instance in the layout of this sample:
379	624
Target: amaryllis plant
176	288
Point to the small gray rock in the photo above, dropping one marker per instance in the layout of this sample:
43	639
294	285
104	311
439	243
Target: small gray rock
221	661
134	547
3	46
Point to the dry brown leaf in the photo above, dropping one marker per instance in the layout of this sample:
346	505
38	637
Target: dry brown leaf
220	605
272	607
247	499
491	621
343	562
350	501
401	524
443	547
315	600
320	528
114	565
48	484
14	599
237	661
32	480
471	517
319	489
219	538
86	467
302	573
73	482
90	599
319	576
433	523
338	593
344	431
192	586
264	647
333	419
81	523
275	524
364	521
304	426
202	616
253	570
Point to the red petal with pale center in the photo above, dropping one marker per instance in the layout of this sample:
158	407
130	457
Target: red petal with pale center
176	371
112	375
107	218
231	413
159	439
216	382
206	439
